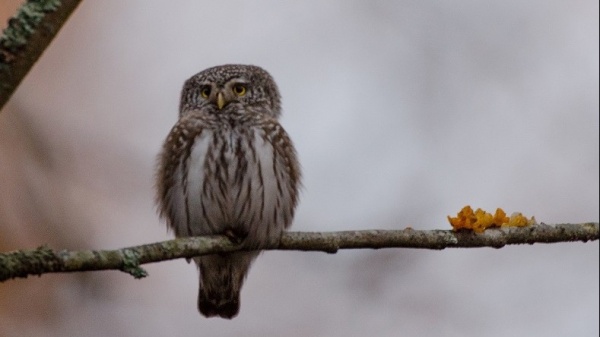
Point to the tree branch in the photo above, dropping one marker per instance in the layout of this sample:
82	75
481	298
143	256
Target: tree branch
42	260
28	34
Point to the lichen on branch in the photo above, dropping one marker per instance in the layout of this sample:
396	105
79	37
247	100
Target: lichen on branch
26	37
23	263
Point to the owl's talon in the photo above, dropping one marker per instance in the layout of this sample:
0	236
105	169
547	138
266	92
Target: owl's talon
236	236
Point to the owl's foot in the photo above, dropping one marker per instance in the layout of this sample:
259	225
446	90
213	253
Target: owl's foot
236	235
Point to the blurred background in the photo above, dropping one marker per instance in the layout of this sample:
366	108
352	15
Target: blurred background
402	112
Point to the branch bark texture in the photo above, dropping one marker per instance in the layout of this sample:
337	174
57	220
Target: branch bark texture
42	260
28	34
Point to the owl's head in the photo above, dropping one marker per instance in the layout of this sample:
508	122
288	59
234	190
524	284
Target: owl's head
231	86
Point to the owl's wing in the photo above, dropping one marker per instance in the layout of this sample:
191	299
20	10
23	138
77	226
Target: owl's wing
280	172
184	148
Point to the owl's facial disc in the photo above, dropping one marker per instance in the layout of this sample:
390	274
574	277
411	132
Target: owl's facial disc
230	92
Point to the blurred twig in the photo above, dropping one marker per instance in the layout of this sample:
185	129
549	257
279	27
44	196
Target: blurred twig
28	34
45	260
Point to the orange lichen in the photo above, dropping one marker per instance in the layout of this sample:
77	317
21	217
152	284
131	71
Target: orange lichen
480	220
518	220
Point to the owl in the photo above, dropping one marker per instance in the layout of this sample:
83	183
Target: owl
228	167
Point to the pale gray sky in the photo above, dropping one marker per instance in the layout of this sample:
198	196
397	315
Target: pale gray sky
402	112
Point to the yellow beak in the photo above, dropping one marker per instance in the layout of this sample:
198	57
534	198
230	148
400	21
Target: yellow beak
220	100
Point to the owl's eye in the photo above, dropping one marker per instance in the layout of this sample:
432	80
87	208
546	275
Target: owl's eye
205	92
239	89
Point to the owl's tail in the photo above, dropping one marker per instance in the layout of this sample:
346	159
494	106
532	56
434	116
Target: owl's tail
221	279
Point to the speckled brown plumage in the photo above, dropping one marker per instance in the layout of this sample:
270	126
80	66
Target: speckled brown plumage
228	167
